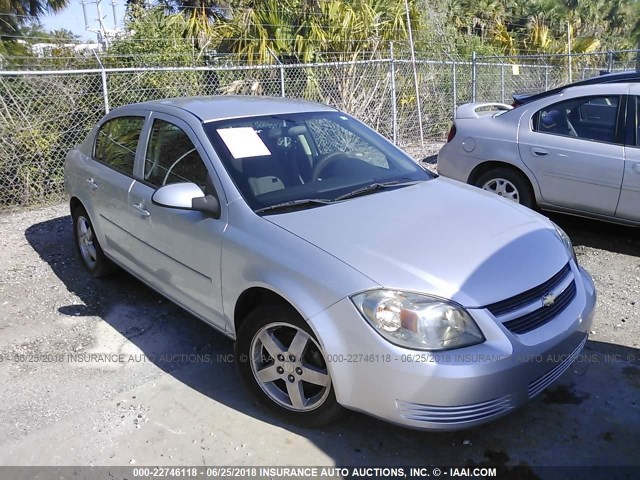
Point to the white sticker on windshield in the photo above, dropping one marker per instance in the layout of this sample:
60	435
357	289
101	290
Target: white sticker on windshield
243	142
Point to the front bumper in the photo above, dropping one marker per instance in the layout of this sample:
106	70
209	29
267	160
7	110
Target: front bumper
453	389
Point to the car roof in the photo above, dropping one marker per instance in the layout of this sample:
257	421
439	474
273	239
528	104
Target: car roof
628	76
220	107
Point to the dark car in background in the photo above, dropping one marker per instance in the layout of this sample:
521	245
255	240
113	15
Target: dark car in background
617	77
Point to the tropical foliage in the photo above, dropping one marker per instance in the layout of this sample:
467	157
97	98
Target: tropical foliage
546	26
16	14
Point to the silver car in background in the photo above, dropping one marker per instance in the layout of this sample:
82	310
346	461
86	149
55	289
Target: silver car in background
577	151
347	274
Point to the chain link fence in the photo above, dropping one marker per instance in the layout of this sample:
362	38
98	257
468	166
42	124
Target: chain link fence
44	113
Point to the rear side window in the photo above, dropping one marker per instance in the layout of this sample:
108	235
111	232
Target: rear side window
117	141
588	118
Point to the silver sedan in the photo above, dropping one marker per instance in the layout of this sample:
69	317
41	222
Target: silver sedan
577	151
348	276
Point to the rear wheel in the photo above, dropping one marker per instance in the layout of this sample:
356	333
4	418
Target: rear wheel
509	184
91	255
284	366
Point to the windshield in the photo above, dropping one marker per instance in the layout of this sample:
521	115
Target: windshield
291	158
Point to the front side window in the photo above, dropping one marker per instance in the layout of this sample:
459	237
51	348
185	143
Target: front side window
117	141
318	156
589	118
172	157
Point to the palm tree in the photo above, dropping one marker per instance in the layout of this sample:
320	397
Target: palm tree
64	35
14	13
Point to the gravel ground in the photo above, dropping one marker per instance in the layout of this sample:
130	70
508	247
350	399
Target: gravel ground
167	407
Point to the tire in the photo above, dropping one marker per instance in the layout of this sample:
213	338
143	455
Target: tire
89	250
507	183
277	344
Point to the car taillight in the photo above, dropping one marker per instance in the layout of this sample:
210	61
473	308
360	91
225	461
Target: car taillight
515	104
452	133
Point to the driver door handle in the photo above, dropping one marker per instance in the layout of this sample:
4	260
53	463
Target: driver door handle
539	152
92	184
636	167
144	213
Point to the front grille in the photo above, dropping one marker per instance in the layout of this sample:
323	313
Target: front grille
455	414
518	301
525	312
539	317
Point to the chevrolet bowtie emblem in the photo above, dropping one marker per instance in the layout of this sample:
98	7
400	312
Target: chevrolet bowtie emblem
548	299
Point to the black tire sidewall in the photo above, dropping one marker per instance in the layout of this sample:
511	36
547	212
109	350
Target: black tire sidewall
264	315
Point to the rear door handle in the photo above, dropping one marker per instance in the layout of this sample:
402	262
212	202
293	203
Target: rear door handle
144	213
636	167
539	152
92	184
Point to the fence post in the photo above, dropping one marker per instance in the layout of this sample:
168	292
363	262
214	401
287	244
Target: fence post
610	61
281	69
282	80
394	106
501	79
105	92
455	86
455	81
546	76
474	78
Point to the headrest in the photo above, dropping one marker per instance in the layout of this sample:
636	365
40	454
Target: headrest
551	118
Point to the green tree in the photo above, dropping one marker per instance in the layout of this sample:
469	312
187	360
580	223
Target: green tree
15	13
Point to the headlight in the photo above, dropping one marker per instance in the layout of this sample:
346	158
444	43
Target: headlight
418	321
567	242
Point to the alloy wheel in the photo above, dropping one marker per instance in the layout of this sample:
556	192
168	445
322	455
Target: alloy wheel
289	367
85	241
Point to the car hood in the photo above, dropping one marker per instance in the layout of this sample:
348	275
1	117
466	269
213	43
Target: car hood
439	237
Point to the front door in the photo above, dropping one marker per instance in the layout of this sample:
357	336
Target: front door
177	251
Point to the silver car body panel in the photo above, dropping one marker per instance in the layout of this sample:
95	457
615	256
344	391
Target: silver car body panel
398	248
489	380
629	204
438	237
567	174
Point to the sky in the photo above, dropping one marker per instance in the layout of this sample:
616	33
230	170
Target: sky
72	18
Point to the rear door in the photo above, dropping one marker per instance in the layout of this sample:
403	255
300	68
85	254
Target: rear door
575	149
109	177
629	205
177	251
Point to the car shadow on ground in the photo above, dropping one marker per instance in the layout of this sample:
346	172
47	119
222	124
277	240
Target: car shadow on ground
547	431
600	235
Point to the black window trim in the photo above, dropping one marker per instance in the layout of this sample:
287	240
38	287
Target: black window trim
633	110
210	188
620	128
95	158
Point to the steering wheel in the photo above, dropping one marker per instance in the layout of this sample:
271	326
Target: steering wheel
182	157
324	161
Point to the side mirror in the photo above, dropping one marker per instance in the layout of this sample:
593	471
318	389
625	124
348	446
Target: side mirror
186	196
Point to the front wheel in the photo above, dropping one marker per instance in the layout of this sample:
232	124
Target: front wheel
89	250
284	366
509	184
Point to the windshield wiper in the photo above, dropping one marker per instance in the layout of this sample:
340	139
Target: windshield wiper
377	186
291	204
